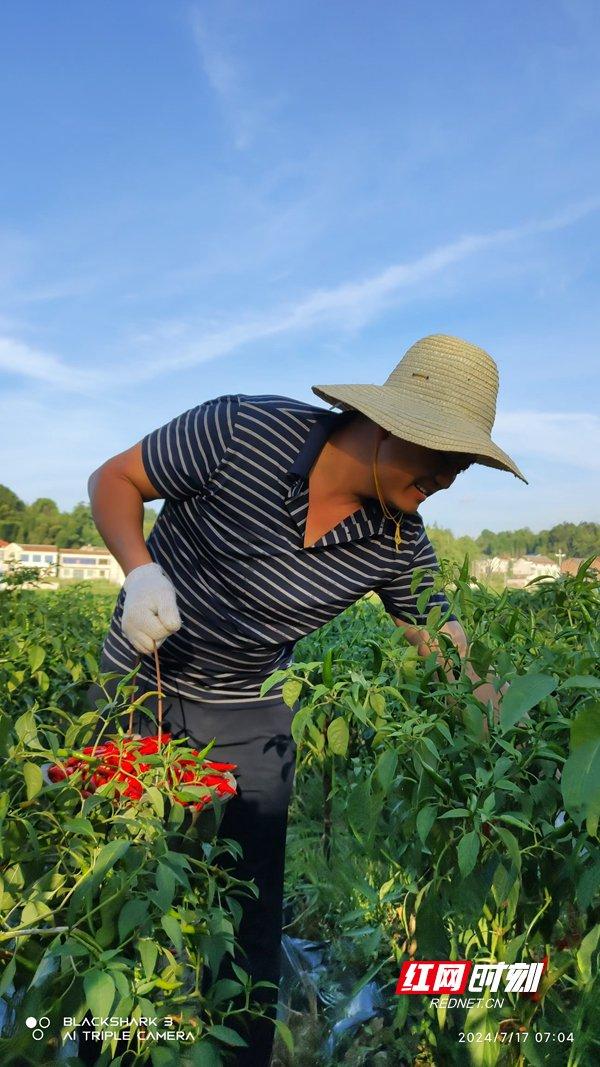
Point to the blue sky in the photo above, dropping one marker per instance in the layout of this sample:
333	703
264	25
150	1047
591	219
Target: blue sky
252	197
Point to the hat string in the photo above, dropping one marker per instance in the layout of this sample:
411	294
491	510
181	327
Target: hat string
384	508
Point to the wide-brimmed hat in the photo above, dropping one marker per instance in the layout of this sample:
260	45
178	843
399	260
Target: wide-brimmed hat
442	395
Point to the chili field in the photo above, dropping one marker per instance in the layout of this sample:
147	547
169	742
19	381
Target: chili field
414	835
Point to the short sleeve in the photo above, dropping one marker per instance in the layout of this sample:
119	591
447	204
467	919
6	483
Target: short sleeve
397	597
181	456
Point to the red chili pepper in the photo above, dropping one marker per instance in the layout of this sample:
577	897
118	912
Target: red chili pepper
226	787
119	764
134	789
149	745
56	774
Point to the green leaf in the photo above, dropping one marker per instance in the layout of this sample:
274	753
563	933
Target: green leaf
164	1057
377	702
580	781
511	844
109	855
204	1054
165	884
36	657
481	657
34	779
586	949
512	820
472	718
42	680
338	736
172	928
587	886
299	723
227	1036
468	850
327	669
455	813
157	800
131	916
580	681
272	681
525	691
386	888
285	1034
99	990
426	817
46	968
533	1052
7	976
91	664
482	1021
25	728
386	768
79	825
243	975
225	989
291	691
148	951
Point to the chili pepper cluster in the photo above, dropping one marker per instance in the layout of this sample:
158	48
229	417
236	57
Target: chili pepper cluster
124	764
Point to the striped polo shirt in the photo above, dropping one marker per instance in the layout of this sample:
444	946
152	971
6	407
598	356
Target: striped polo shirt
233	473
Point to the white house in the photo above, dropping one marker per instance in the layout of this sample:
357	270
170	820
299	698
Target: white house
483	568
83	563
527	567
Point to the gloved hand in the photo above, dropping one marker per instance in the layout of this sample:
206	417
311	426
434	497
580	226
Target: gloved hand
150	610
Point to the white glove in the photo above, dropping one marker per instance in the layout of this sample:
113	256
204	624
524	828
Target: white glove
150	610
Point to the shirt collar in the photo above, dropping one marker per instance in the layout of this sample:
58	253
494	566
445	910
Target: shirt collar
322	428
297	474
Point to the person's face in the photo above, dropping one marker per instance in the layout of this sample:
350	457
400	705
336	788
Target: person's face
402	464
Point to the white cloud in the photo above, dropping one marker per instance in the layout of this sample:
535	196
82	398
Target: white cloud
345	306
352	304
18	358
244	112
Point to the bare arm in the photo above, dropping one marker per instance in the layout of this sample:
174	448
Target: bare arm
117	492
425	644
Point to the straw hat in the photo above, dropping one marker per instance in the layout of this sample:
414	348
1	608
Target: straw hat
442	395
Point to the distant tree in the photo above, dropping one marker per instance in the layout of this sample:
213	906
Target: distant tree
78	528
150	518
11	513
486	542
41	522
450	547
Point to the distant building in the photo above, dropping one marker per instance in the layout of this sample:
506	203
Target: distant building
527	567
83	563
572	565
488	565
520	570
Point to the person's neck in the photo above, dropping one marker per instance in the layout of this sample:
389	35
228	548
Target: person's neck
343	471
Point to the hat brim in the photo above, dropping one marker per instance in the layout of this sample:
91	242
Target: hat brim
420	423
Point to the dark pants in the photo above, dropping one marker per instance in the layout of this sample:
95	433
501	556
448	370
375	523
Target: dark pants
259	741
